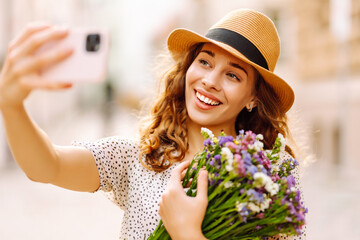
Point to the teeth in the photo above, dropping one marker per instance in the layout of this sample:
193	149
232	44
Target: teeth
206	100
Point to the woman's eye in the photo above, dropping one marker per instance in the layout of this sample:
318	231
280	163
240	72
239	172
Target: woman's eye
204	62
233	76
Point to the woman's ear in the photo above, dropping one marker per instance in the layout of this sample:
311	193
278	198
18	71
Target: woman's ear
251	104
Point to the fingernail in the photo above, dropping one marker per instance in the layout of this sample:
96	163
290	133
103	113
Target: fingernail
67	85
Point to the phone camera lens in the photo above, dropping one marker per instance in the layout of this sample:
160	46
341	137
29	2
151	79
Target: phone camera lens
93	42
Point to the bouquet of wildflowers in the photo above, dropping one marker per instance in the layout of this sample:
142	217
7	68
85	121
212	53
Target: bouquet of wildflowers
251	195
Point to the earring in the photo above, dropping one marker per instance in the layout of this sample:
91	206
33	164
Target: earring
249	110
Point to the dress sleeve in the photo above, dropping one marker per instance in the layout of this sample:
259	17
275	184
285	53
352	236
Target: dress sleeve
114	157
298	186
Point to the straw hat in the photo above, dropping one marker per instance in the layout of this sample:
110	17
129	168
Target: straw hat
248	35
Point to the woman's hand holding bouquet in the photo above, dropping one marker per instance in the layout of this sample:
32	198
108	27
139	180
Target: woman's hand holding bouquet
251	195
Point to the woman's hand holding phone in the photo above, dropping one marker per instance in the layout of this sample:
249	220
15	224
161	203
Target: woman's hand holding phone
22	68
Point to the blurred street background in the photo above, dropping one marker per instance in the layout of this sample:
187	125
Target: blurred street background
320	58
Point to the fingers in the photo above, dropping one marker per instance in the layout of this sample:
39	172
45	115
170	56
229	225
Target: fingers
35	82
183	173
36	40
176	174
41	61
27	32
202	186
42	84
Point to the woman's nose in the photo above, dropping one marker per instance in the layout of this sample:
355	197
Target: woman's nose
211	80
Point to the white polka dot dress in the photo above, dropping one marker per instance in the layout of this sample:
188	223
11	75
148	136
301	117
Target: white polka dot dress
127	183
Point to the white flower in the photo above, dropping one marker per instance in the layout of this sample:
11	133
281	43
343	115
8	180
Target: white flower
228	184
272	188
258	146
253	207
227	154
265	205
282	141
260	137
229	168
240	206
207	133
260	179
275	168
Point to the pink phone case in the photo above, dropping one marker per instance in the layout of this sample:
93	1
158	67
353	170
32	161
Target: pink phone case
88	63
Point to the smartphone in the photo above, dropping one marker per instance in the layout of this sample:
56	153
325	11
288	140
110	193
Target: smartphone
88	62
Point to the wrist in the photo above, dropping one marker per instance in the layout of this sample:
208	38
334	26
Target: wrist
8	109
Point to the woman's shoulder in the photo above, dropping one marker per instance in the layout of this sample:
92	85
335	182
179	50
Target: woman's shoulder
119	141
122	145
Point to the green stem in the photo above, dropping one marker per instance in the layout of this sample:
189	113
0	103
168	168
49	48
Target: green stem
219	227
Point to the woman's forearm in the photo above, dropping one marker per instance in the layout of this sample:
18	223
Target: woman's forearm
29	145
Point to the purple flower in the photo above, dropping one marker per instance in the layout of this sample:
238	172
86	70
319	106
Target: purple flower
255	196
249	138
275	177
300	217
298	230
225	139
241	132
290	181
208	156
297	196
212	162
208	142
240	165
263	170
243	214
292	209
217	158
211	182
267	163
246	157
232	146
252	169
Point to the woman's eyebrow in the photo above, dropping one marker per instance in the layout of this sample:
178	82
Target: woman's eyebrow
235	65
209	52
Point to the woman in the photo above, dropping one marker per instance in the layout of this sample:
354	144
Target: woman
222	81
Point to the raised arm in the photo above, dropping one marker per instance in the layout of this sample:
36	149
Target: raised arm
68	167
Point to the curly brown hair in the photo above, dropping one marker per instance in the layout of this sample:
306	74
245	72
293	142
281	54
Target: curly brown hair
163	133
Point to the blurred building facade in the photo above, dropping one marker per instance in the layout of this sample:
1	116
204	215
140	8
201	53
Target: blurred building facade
327	67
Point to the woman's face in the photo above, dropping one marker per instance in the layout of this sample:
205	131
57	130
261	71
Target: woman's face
218	86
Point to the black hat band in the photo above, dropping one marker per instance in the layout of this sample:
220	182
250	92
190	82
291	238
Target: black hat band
240	43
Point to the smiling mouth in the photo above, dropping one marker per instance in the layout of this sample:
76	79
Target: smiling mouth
206	100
